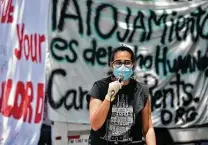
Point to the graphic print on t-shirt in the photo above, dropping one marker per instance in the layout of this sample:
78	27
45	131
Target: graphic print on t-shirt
122	118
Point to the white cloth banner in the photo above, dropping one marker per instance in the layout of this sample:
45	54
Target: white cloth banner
23	42
169	38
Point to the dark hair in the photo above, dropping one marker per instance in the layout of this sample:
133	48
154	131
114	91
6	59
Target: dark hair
122	48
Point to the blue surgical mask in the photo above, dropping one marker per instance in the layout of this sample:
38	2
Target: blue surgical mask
123	71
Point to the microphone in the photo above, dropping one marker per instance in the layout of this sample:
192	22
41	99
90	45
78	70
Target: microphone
120	79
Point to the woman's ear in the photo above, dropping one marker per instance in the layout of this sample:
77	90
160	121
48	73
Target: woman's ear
134	65
110	64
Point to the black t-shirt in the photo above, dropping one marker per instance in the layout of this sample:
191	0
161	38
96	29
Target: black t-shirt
123	123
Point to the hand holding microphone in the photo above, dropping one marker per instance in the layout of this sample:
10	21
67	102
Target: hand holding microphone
113	88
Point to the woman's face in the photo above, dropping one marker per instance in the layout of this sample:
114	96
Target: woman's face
122	57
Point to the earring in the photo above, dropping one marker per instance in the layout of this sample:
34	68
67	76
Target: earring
134	77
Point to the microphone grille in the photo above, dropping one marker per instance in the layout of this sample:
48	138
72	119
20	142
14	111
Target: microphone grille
121	78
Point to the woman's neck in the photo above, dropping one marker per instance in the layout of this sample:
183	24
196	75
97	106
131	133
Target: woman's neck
124	83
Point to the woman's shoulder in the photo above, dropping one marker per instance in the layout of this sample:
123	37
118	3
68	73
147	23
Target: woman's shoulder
104	81
141	87
141	84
